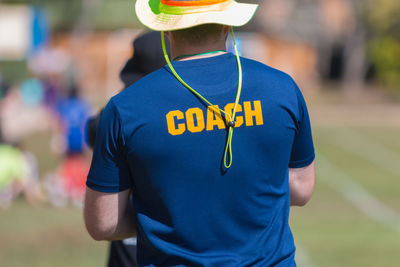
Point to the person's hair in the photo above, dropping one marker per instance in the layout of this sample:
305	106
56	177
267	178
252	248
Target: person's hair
199	35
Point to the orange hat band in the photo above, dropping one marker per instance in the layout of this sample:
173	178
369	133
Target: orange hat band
183	7
187	3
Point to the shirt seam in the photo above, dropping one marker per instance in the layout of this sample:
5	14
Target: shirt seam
107	188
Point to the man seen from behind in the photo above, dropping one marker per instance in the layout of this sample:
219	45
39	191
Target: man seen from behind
213	148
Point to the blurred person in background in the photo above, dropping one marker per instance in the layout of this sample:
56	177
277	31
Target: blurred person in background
190	207
72	113
51	92
19	172
147	57
22	112
11	173
32	92
3	92
3	87
52	66
18	175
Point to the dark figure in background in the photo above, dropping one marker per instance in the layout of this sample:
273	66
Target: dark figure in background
147	57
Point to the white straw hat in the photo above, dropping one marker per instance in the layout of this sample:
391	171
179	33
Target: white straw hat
170	15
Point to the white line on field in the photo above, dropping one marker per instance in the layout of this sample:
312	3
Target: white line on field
364	147
358	196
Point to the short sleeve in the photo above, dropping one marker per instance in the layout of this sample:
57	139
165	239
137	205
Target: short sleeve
109	171
303	148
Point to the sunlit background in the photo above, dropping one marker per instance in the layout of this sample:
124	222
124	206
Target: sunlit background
344	54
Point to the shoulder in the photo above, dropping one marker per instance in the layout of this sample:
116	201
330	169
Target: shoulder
142	93
141	87
151	81
256	71
257	68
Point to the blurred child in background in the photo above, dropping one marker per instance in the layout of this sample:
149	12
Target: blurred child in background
68	182
18	167
18	174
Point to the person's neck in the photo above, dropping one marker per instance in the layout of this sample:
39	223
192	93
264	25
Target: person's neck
193	52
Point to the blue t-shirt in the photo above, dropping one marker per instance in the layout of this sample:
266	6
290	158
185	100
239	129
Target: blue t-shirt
73	114
158	139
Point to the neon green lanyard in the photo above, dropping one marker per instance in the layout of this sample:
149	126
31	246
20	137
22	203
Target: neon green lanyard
231	123
200	54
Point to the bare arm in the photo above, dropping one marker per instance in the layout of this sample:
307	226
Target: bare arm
109	216
301	184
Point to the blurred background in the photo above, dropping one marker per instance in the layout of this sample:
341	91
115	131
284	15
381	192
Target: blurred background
60	63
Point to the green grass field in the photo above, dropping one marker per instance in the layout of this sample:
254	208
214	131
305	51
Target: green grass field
341	226
353	218
46	237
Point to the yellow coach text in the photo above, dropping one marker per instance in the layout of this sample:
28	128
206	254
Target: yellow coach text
194	121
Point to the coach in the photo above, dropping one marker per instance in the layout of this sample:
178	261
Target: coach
217	197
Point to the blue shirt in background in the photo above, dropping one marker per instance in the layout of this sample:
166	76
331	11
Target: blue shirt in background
162	142
73	114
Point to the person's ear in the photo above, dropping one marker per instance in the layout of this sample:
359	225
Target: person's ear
169	35
226	29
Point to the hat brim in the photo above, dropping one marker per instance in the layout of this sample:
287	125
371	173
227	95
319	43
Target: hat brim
236	14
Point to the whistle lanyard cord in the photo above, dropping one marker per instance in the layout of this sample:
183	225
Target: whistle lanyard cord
231	124
200	54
